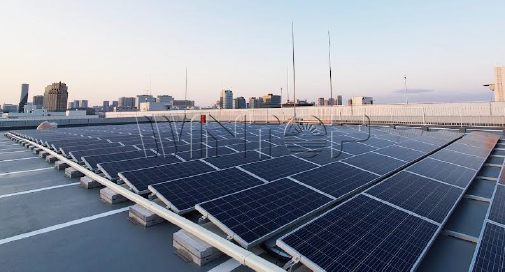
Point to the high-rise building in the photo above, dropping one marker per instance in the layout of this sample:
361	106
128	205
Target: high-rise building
239	103
83	104
126	102
226	99
24	97
165	99
144	98
271	101
255	103
55	97
114	104
38	100
9	108
339	100
105	106
320	101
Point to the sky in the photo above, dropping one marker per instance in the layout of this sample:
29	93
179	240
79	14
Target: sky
106	49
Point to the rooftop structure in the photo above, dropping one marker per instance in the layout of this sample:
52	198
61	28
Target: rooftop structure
55	97
24	97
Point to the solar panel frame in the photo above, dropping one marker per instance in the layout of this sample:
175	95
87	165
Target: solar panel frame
284	163
498	233
297	256
248	244
439	170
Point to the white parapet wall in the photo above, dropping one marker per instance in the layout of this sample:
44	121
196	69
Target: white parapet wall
469	114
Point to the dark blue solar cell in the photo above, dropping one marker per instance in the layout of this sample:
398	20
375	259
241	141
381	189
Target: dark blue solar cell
375	163
93	161
443	171
423	147
278	167
77	155
491	250
465	160
361	234
235	159
469	150
497	212
336	179
257	213
140	179
401	153
423	196
182	195
112	169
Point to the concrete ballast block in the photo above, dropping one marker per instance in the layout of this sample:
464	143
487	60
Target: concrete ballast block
189	247
59	165
143	217
43	154
111	197
70	172
36	150
89	183
51	158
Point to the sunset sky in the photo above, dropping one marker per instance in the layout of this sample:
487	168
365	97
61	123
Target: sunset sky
106	49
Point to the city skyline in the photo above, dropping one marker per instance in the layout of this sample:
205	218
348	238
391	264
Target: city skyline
446	49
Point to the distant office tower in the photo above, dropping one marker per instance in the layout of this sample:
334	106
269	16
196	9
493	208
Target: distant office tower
141	98
83	104
339	100
38	100
499	78
165	99
106	106
255	103
114	104
24	97
226	99
271	101
55	97
239	103
320	101
126	102
361	100
183	103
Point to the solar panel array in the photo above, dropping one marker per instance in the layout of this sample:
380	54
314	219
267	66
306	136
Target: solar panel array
390	225
395	190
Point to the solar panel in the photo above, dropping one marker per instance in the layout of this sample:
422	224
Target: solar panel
183	194
375	163
253	215
443	171
278	167
424	147
92	161
66	150
470	150
497	210
491	250
361	234
459	158
423	196
227	161
323	157
77	155
336	179
401	153
355	148
138	180
112	169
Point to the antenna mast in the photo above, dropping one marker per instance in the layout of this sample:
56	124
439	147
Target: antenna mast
406	95
186	93
294	74
287	82
329	63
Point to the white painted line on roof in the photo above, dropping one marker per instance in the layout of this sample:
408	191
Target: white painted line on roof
21	159
15	151
39	190
26	171
61	226
227	266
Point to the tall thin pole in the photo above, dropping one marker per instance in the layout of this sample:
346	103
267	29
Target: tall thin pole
281	97
294	74
186	93
406	95
329	63
287	82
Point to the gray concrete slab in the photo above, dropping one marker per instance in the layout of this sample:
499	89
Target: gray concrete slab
20	182
22	165
468	216
29	212
448	254
15	154
106	244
